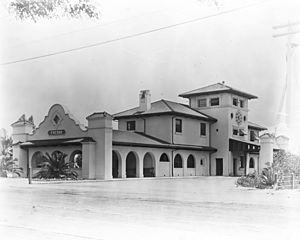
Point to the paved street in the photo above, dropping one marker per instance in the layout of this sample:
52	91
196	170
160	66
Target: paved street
193	208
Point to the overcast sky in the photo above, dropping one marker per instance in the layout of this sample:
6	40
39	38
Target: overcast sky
235	47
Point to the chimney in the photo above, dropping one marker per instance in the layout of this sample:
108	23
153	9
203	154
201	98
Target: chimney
145	100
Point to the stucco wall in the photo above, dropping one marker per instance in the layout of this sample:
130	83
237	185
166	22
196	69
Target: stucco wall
156	126
67	123
190	134
165	168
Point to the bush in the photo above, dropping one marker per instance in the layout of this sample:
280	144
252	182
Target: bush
284	163
254	180
54	166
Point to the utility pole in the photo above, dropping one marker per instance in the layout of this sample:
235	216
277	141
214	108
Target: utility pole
287	98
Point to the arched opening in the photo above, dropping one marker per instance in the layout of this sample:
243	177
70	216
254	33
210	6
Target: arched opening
149	165
131	165
164	158
37	159
178	166
251	163
163	169
178	161
191	161
75	159
116	165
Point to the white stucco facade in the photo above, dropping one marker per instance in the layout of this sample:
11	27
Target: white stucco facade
156	139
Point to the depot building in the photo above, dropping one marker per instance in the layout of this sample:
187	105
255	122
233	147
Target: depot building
210	136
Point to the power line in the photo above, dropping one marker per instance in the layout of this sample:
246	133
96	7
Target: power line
132	35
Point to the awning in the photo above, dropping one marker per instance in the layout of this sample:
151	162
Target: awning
243	132
243	145
56	142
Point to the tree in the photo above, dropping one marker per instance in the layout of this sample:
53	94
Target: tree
39	9
8	165
54	166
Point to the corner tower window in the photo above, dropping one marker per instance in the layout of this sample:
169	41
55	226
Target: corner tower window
235	101
178	125
130	125
241	103
214	102
202	129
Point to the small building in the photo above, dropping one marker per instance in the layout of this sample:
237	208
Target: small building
210	136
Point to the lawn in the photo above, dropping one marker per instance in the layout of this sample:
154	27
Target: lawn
179	208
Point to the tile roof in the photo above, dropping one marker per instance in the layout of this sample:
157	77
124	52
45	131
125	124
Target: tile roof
125	138
165	107
216	88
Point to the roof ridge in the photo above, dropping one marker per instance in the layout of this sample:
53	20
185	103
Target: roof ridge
195	110
165	102
202	87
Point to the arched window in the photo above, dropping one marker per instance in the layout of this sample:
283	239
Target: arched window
37	159
164	158
76	159
251	163
191	162
177	161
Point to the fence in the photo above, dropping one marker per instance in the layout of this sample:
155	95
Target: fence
288	181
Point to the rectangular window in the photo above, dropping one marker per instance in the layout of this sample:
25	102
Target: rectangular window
252	136
235	101
235	131
178	125
130	125
214	102
241	103
202	102
203	129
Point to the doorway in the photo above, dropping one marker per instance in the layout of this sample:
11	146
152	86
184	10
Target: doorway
219	166
234	166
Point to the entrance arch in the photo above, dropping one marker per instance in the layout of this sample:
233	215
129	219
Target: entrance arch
149	165
178	166
75	159
116	164
131	165
191	165
37	159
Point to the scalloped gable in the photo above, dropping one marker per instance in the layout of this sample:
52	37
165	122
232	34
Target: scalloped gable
60	123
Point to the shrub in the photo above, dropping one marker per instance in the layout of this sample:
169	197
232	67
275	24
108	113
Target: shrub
54	166
284	163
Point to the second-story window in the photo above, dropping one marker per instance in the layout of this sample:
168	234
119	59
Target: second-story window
252	136
235	101
202	102
235	131
130	125
178	125
202	129
214	102
241	103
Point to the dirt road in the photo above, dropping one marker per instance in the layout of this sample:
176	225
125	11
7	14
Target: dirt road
192	208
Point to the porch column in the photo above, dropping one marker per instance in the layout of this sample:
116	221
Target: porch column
88	160
247	159
184	165
123	166
140	166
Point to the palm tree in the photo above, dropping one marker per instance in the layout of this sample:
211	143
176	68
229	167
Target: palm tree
54	166
8	167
